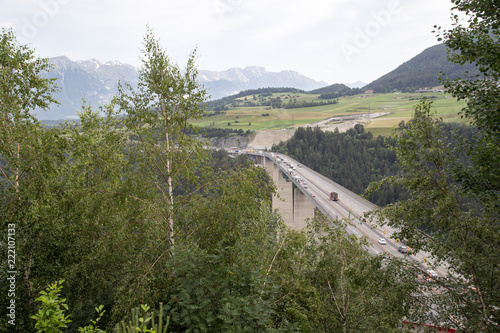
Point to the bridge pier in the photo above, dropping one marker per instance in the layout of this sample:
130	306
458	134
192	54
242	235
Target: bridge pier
284	188
294	206
303	209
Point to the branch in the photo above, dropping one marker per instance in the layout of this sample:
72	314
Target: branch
335	300
275	255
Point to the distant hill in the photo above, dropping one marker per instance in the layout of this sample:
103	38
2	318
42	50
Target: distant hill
335	91
235	80
420	71
333	88
220	104
263	97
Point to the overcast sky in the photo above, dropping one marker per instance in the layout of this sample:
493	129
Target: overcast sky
330	40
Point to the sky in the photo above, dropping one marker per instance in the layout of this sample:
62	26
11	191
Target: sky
336	41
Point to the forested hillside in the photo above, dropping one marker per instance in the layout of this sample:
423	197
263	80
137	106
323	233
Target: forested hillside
355	159
337	90
421	71
257	97
220	104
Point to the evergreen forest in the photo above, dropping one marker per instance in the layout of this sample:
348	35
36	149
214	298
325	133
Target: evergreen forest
355	159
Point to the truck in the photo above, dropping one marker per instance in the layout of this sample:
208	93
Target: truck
334	196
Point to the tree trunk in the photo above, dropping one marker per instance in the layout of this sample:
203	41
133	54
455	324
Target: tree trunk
170	197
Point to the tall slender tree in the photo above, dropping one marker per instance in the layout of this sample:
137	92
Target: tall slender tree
25	176
159	112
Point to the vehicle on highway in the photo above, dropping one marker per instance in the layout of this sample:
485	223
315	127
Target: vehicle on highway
432	274
334	196
382	241
403	249
313	195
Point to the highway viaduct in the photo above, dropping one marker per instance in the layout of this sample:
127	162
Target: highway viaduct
304	193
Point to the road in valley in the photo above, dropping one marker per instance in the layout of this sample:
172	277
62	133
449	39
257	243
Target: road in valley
352	207
349	206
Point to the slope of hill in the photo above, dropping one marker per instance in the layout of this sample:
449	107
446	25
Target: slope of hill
420	71
335	90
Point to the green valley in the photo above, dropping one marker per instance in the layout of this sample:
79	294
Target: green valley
243	113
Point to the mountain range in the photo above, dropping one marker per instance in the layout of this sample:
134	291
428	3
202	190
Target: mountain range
91	81
234	80
96	83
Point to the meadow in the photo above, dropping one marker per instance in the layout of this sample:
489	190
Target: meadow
399	105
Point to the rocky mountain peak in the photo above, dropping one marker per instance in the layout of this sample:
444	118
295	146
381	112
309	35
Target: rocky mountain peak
96	82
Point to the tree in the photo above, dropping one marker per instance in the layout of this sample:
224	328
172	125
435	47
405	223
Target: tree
206	212
443	216
62	195
330	283
159	112
22	89
105	211
26	170
454	189
478	43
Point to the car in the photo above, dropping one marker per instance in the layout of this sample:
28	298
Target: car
313	195
305	186
403	249
381	241
432	274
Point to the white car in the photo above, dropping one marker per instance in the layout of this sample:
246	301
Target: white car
381	241
432	274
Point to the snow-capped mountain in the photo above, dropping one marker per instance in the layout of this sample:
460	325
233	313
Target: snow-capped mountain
357	84
234	80
96	83
91	81
110	73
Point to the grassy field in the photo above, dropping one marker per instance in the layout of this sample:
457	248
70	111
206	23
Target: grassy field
400	106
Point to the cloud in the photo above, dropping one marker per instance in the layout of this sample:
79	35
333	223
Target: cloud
298	35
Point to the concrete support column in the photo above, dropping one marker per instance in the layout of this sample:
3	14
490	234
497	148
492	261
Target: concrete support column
303	209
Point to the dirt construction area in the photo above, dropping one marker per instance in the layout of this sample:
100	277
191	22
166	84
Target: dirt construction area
265	139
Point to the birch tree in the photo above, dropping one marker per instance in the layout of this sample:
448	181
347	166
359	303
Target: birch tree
158	114
24	174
